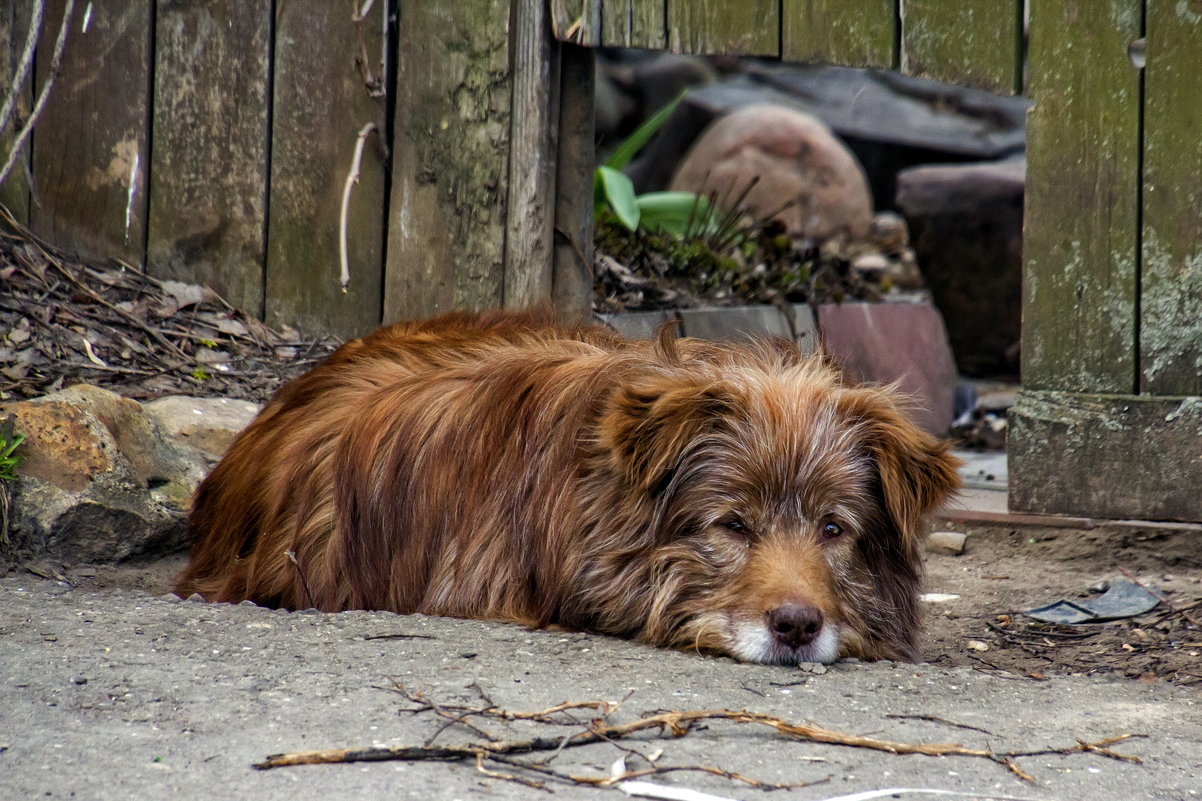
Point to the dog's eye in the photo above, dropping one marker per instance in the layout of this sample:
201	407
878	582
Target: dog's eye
735	526
832	530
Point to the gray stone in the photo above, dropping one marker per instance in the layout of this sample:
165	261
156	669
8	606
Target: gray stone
207	424
637	325
966	225
743	323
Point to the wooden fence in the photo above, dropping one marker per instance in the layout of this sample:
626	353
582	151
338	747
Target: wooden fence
211	141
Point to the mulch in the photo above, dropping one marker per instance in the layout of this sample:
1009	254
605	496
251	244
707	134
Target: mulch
63	323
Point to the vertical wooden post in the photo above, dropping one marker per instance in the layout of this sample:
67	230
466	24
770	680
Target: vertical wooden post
1171	281
90	149
572	278
633	23
1081	234
970	42
446	231
745	28
14	28
321	103
208	176
530	207
854	33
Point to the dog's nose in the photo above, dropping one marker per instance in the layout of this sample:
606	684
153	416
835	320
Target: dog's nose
794	624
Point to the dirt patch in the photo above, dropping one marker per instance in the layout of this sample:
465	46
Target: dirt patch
1005	571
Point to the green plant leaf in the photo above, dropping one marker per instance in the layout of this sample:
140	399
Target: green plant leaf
634	143
680	213
619	193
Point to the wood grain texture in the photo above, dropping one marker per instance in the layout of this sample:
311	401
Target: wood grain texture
1080	238
208	176
576	21
530	204
854	33
1106	456
633	23
745	28
446	232
968	42
321	103
572	276
14	28
91	145
1171	280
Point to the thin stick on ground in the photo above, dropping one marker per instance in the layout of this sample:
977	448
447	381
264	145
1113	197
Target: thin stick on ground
668	723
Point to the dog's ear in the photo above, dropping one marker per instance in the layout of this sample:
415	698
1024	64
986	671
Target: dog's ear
649	423
917	471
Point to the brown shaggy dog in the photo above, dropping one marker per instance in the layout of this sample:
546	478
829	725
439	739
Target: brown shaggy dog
737	499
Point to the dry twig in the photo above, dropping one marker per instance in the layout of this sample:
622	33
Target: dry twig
352	178
40	103
667	723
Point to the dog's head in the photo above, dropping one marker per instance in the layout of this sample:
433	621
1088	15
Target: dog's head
779	511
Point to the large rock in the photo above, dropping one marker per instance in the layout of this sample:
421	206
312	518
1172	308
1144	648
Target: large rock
966	225
798	172
889	121
100	480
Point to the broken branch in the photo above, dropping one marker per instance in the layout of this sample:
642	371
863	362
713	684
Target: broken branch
667	723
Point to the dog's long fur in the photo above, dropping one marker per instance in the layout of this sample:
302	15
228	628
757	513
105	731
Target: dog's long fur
680	493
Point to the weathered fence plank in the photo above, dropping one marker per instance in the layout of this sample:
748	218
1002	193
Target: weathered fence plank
854	33
208	176
14	29
633	23
577	21
1106	456
572	278
1171	280
968	42
1079	288
321	103
446	233
90	146
746	28
530	206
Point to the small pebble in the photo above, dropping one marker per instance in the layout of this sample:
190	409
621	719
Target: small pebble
1100	586
196	596
977	645
816	668
950	543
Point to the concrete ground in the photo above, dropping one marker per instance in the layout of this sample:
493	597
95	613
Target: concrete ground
112	693
120	695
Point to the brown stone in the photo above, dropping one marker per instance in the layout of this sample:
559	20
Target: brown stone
99	480
883	343
808	179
